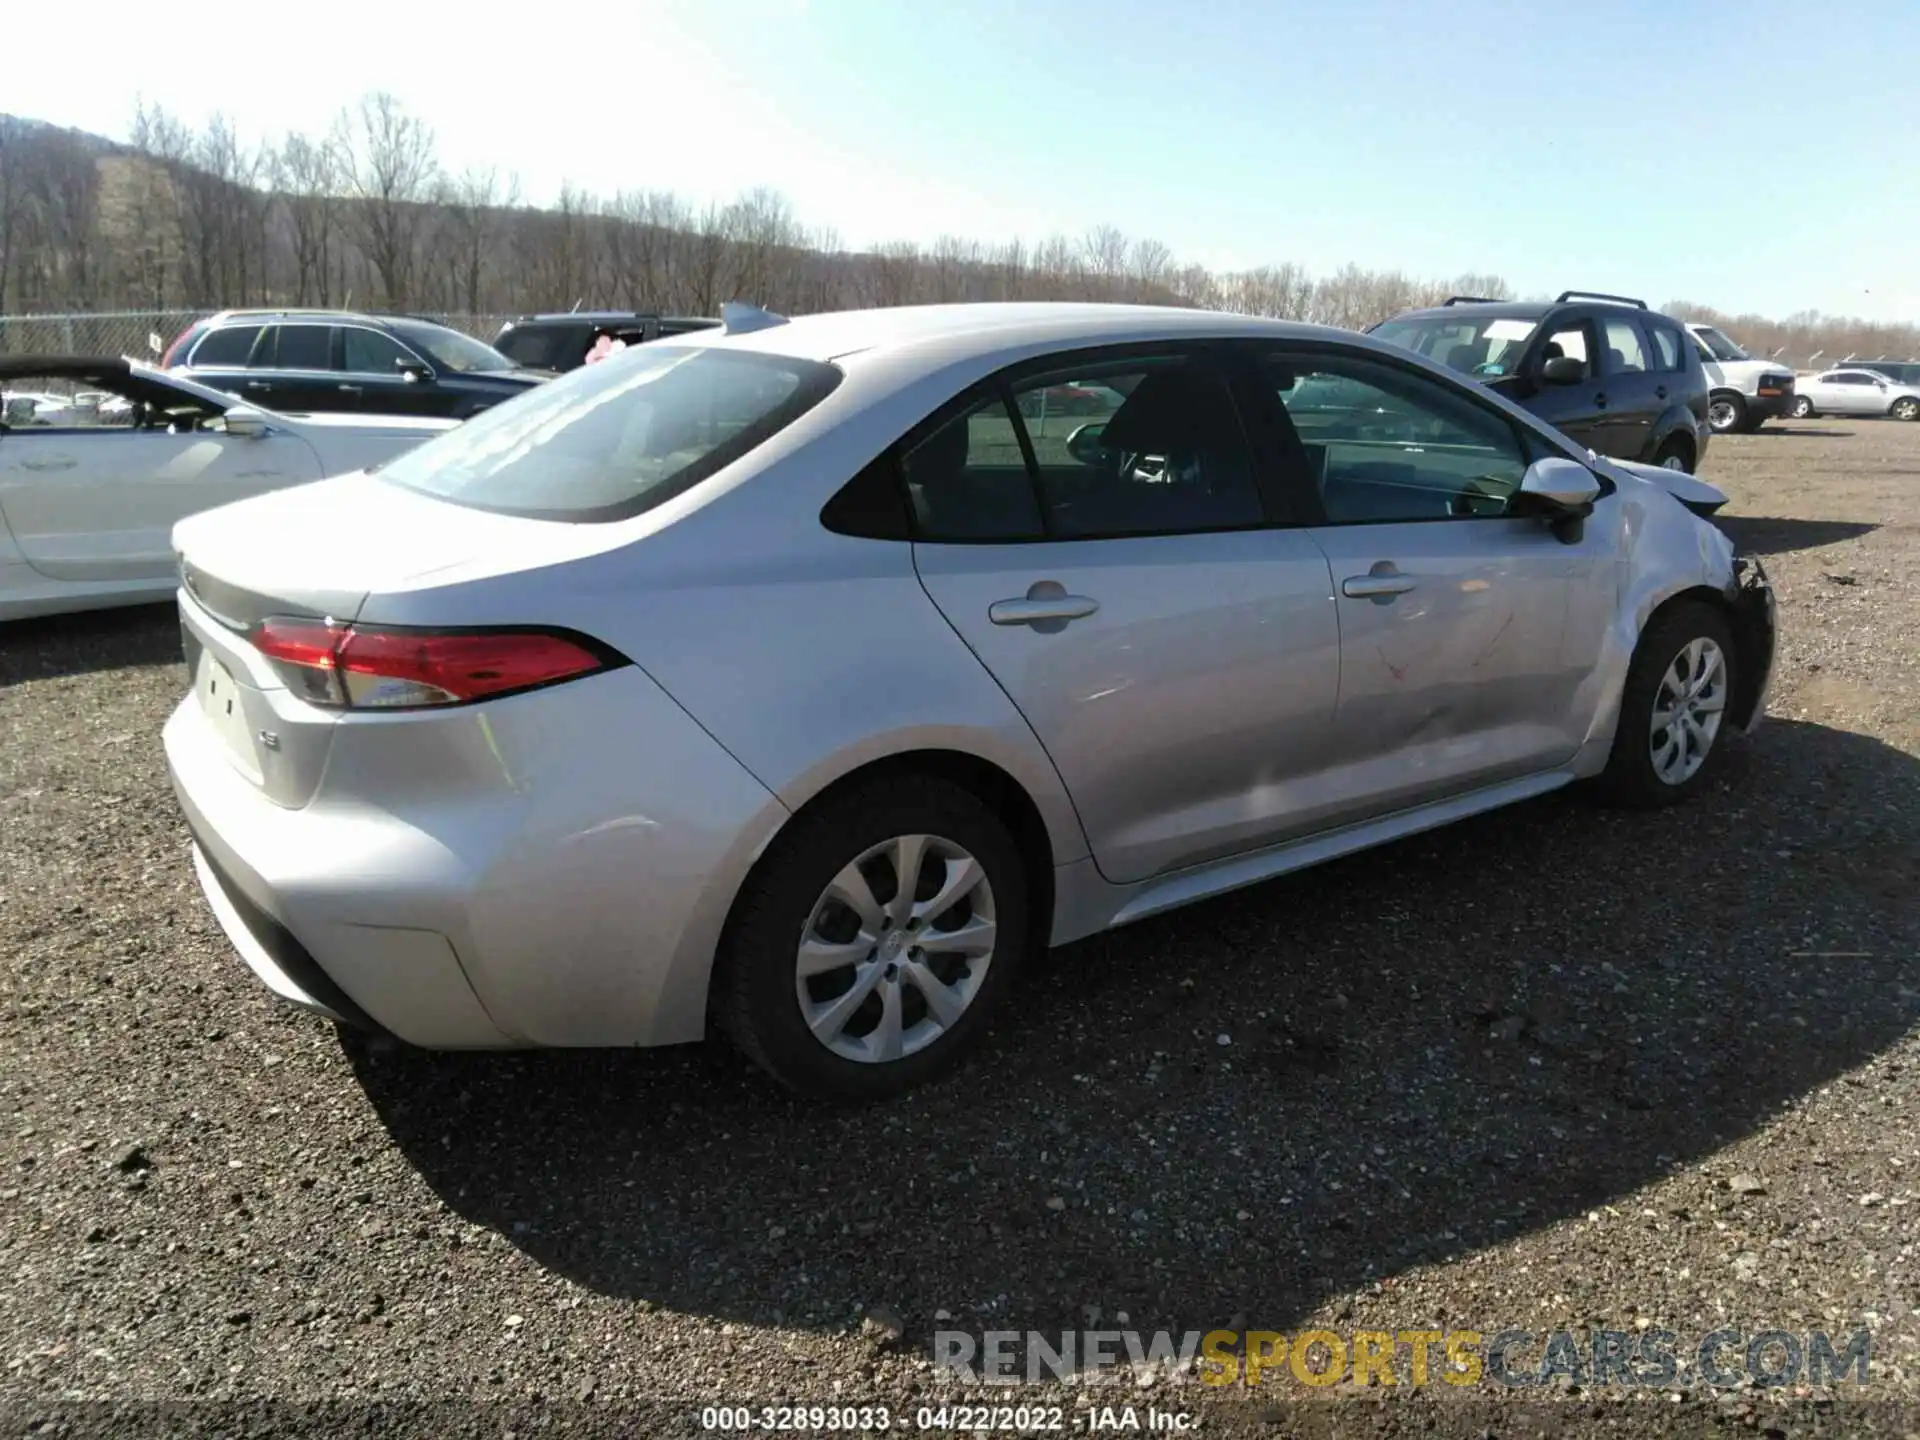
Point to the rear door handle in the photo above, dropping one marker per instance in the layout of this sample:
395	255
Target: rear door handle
1600	400
258	385
352	390
1660	392
1039	609
1378	586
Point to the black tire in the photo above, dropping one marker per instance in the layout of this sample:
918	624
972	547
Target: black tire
1728	415
1630	778
1801	409
755	1002
1905	408
1674	448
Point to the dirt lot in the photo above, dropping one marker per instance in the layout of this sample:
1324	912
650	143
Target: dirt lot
1557	1068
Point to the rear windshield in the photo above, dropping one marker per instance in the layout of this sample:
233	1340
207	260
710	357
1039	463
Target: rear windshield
608	441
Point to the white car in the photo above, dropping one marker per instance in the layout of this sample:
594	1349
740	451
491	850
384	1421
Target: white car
1743	392
89	494
1855	392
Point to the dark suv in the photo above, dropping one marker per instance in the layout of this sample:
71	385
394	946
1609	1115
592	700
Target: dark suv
1620	379
307	360
561	342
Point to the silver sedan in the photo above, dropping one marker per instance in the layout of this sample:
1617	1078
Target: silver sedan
805	679
1854	392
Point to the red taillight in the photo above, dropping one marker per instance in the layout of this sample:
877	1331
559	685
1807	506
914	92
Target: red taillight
360	667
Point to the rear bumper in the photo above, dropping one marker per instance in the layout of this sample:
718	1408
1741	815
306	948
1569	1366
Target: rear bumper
550	869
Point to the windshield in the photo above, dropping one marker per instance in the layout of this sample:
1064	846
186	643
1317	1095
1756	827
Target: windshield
1480	345
610	440
1719	346
449	349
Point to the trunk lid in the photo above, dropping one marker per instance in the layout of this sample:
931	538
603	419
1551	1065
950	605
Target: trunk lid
315	550
320	549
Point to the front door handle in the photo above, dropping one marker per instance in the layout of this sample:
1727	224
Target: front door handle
258	385
1379	585
352	390
1660	392
1028	612
1600	401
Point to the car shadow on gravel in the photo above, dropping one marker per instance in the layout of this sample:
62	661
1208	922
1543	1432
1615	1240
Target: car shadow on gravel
1773	535
62	645
1250	1106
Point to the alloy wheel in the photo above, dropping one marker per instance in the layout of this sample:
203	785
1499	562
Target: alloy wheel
896	949
1687	709
1906	409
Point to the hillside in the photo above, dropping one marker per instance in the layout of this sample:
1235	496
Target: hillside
182	218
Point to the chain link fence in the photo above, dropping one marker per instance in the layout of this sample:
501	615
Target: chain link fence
145	334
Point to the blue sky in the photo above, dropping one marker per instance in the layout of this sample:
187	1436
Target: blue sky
1667	150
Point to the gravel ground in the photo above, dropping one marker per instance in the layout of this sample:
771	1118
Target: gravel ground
1555	1068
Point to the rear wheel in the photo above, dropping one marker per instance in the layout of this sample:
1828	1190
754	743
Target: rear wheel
867	950
1673	709
1905	408
1727	414
1802	408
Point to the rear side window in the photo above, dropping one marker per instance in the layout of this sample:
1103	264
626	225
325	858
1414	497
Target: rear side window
608	441
968	479
1666	347
304	347
1626	351
227	346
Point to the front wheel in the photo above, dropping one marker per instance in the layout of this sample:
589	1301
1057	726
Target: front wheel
1727	414
868	948
1673	709
1802	408
1905	408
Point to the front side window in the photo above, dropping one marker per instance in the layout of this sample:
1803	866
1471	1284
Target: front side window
1718	346
1571	342
607	441
304	347
449	349
1385	445
368	352
229	345
1626	351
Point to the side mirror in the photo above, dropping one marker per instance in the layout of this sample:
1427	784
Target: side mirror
1084	444
245	421
1563	370
1557	487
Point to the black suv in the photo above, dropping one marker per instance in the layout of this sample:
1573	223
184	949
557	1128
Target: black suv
1618	378
308	360
561	342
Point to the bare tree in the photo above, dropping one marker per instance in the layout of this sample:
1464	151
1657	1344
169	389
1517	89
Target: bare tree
309	174
472	207
390	172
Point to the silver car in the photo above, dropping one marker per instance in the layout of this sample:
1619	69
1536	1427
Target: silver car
1854	392
794	678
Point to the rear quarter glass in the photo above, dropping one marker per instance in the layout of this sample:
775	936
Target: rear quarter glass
606	442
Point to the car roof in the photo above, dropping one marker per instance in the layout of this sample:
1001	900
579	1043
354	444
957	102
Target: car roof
987	328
